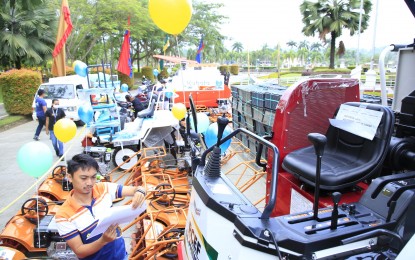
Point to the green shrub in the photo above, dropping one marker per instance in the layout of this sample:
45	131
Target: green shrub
234	69
268	67
164	73
223	69
320	68
125	79
175	69
148	72
18	88
337	70
296	69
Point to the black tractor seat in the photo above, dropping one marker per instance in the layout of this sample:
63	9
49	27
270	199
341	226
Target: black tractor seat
348	158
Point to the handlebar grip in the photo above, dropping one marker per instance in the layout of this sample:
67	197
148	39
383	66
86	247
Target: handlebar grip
222	123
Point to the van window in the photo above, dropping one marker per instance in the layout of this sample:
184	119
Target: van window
62	91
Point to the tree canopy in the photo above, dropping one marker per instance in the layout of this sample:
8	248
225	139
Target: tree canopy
27	32
330	17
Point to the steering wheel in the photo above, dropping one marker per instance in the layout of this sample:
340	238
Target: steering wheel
34	208
59	173
164	194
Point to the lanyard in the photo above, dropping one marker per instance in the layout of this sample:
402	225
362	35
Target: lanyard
55	113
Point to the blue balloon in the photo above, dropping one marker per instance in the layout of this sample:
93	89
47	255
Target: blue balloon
155	72
169	94
202	122
211	137
124	87
81	69
86	113
34	158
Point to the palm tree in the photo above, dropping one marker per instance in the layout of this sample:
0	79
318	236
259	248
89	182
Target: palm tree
304	44
292	44
316	46
26	32
329	17
316	57
237	47
302	55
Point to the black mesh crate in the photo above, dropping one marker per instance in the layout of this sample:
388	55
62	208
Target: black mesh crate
258	99
259	128
257	113
269	117
271	100
234	91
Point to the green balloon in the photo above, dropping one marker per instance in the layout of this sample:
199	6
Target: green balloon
34	158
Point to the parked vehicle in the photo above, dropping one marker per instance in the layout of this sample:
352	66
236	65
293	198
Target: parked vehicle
66	90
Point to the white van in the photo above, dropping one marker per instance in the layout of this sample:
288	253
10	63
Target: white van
65	89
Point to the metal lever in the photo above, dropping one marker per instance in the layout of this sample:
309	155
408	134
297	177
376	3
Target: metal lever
335	213
318	141
222	123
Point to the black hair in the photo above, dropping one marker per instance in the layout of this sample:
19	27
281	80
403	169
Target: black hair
128	97
40	92
82	161
53	101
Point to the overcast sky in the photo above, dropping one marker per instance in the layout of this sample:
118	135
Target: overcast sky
254	23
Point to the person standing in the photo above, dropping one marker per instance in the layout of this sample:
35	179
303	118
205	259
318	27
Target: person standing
40	112
85	205
53	114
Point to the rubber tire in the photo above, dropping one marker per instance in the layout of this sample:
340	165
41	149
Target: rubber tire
117	157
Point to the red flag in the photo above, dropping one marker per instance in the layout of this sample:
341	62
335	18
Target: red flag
64	30
124	62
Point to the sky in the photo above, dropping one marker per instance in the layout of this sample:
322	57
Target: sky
259	22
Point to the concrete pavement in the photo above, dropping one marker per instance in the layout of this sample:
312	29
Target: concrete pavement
13	181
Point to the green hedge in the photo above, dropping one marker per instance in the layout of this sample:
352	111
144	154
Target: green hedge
297	69
223	69
234	69
126	79
338	70
320	68
164	74
148	72
18	88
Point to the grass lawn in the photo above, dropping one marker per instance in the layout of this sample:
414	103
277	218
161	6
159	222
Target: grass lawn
10	119
1	97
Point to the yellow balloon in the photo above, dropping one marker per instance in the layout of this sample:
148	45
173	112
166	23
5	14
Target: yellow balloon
64	130
172	16
179	111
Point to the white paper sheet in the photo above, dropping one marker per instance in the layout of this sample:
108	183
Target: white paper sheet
117	215
357	120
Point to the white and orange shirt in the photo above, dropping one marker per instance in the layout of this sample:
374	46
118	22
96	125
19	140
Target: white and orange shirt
74	220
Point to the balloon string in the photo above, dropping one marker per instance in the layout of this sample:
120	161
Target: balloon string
41	178
181	74
38	217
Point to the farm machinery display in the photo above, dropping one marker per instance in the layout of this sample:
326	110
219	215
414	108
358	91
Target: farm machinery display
338	182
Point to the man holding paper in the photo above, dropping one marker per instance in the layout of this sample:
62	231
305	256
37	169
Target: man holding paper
87	202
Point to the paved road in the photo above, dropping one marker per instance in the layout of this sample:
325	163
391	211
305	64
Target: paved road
13	182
